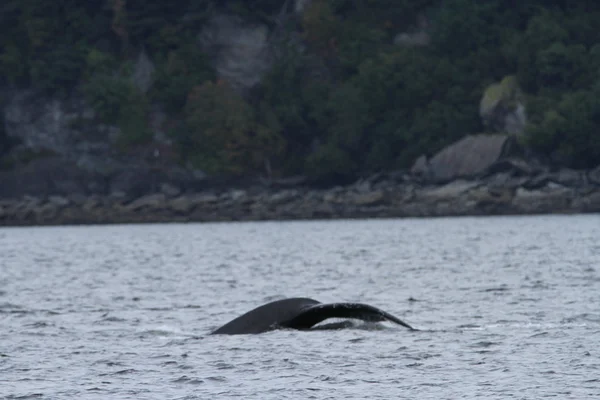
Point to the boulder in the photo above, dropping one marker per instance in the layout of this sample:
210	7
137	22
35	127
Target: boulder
468	157
182	204
45	211
334	195
491	198
236	195
58	201
169	190
91	203
152	201
512	166
594	175
504	180
369	199
552	198
538	181
284	196
204	199
449	191
569	177
591	202
420	167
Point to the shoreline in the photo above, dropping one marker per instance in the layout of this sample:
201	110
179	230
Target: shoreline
372	198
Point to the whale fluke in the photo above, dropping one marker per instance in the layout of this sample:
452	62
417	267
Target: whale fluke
302	314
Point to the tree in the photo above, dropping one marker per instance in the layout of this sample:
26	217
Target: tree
222	134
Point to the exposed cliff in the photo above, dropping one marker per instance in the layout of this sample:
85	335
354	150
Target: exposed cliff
146	97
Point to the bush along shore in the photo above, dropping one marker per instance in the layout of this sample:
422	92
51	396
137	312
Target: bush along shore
380	196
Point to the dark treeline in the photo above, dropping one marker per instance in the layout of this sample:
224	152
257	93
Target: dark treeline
351	102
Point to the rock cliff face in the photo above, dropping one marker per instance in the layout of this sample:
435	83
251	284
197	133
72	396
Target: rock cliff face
240	51
62	146
41	122
67	170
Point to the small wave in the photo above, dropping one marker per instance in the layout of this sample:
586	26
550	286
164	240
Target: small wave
25	397
484	343
469	326
108	363
222	365
217	378
193	306
166	331
38	324
495	289
541	334
157	332
586	317
113	319
126	371
159	309
188	380
11	308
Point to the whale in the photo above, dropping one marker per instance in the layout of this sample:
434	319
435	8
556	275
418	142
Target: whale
302	314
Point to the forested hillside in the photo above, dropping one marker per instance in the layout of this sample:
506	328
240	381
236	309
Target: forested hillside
343	95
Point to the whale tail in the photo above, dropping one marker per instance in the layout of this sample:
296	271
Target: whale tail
315	314
302	314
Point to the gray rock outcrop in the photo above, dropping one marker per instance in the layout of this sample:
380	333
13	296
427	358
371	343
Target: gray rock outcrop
239	49
40	122
417	37
143	72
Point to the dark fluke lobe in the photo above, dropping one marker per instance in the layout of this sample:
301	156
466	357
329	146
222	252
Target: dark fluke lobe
302	313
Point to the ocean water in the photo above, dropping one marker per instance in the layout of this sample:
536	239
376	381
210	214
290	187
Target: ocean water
507	307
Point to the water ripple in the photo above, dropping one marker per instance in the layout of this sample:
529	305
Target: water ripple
505	306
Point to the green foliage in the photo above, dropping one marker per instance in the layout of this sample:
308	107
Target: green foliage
183	68
350	102
115	98
45	43
292	103
118	102
222	133
568	132
399	105
329	164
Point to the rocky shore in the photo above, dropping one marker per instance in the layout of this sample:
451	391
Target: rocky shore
508	191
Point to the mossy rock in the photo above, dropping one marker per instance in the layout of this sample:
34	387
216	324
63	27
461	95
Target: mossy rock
502	108
506	93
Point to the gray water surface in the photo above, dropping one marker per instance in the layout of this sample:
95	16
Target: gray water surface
508	307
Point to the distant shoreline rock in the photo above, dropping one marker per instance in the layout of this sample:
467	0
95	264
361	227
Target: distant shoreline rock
505	190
